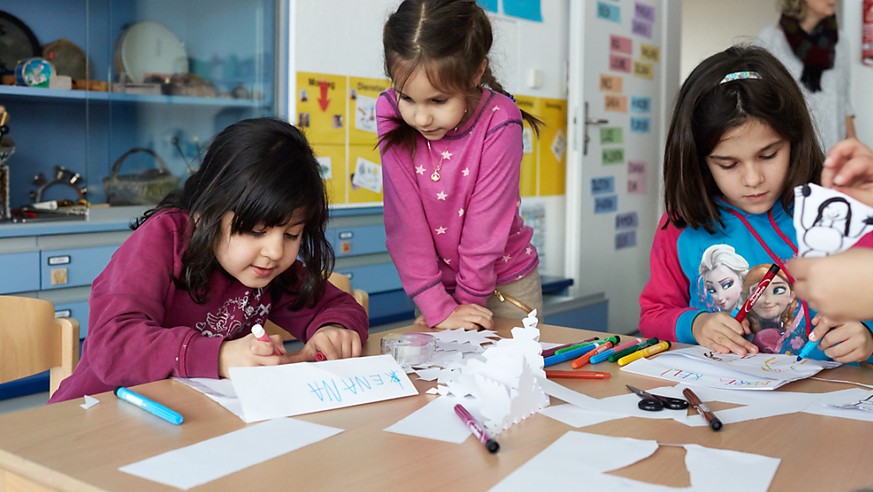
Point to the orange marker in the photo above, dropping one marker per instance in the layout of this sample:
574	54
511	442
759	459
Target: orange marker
581	361
578	374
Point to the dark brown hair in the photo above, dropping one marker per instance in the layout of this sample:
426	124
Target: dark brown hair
706	108
450	40
262	170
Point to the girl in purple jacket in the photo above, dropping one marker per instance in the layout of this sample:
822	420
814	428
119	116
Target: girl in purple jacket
451	161
242	243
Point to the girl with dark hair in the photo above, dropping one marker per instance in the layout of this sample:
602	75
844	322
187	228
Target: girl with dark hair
739	142
451	143
242	243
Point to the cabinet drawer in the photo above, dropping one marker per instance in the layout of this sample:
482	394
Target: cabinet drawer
358	240
78	310
19	272
373	278
73	267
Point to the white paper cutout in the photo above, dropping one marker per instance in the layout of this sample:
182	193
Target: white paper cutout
827	221
90	401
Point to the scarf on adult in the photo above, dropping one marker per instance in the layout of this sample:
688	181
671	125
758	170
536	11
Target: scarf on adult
815	49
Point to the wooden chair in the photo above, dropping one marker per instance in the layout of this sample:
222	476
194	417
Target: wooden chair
32	340
342	282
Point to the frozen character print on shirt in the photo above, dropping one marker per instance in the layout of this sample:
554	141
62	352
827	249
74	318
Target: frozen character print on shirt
722	272
829	222
775	317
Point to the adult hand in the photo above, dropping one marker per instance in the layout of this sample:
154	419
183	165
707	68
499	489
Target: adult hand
836	285
849	169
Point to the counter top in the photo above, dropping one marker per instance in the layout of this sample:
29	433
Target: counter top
99	219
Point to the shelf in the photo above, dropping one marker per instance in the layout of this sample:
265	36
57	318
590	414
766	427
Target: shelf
56	95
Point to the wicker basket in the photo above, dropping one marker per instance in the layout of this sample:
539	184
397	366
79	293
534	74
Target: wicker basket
146	188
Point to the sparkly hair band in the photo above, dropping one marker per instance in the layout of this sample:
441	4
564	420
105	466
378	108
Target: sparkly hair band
740	76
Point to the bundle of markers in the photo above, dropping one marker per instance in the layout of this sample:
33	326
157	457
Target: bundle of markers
595	350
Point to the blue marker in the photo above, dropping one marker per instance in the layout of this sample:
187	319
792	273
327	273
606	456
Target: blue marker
807	349
565	356
148	405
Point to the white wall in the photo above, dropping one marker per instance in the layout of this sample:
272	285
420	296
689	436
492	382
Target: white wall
862	75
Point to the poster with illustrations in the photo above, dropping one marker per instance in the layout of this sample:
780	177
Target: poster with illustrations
827	221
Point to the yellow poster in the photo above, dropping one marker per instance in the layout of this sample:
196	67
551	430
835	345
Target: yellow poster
321	107
332	159
363	177
529	165
553	147
362	95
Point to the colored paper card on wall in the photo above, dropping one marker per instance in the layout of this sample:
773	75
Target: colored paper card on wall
605	204
636	176
629	220
619	63
362	95
488	5
321	105
644	12
364	179
615	103
611	83
602	185
640	125
611	13
528	180
523	9
553	149
641	104
333	156
644	70
626	239
641	28
611	135
650	52
612	155
621	44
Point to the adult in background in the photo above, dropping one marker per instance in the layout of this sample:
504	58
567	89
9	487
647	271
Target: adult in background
808	42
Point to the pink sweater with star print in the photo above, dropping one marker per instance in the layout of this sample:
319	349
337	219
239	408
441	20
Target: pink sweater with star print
454	240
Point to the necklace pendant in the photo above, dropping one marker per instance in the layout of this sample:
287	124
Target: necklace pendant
435	176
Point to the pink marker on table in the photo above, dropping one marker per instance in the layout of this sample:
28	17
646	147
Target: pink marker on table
260	334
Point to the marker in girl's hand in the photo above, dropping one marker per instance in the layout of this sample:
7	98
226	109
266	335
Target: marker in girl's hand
260	334
762	286
319	357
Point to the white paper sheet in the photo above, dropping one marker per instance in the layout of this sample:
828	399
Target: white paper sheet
280	391
214	458
579	459
218	390
828	221
437	420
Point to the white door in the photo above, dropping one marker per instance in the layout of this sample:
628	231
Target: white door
623	74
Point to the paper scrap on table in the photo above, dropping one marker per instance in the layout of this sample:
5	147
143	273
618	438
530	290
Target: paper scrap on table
437	420
218	390
581	458
90	401
699	366
268	392
214	458
578	417
828	221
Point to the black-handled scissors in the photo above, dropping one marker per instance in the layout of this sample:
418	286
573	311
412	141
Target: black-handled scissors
655	403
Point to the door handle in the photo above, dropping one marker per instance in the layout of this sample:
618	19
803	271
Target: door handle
590	122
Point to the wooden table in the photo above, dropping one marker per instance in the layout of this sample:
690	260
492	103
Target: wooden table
62	446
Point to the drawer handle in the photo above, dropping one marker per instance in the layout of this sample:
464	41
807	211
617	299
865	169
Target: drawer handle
64	313
59	260
346	234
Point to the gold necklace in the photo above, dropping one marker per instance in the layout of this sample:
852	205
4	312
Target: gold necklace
446	155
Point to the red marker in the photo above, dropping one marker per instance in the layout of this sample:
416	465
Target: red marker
578	374
260	334
319	357
762	286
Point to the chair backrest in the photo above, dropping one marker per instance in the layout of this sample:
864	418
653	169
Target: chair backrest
32	340
340	281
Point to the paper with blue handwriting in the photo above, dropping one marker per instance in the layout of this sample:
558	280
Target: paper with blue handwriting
827	221
269	392
214	458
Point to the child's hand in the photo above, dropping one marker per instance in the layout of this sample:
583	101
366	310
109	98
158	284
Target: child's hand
849	169
843	342
468	317
334	341
248	351
722	333
836	285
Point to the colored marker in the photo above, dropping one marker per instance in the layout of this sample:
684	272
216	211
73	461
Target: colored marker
621	353
574	347
597	359
260	334
762	286
581	361
319	357
702	409
148	405
807	349
639	354
558	358
477	429
578	374
550	352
